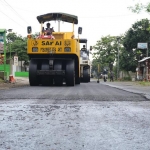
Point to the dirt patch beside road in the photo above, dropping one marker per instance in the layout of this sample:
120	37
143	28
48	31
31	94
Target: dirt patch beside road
18	82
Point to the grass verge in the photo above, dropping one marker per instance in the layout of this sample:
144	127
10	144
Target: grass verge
143	83
1	80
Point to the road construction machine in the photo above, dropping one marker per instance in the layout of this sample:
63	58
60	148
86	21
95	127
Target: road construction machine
84	62
54	56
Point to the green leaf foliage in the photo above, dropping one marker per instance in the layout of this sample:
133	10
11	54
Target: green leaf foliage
138	33
139	7
18	46
105	54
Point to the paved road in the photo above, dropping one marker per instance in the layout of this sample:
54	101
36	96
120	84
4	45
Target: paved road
127	86
84	91
84	117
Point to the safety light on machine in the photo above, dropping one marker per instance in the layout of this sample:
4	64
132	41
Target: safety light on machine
29	31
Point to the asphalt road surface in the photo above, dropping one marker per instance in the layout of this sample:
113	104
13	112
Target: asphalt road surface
88	116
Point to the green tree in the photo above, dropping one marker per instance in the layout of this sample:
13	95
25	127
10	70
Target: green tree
140	7
95	66
139	32
105	52
18	46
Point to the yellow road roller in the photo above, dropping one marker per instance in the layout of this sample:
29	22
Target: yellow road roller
54	56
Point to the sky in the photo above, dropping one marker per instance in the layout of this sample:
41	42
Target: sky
97	18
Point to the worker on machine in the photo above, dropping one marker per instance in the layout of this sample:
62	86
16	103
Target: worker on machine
49	30
84	53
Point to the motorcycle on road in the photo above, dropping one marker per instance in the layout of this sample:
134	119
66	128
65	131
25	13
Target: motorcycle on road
105	77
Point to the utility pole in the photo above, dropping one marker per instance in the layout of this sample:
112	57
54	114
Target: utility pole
10	60
147	50
5	74
98	70
147	64
118	40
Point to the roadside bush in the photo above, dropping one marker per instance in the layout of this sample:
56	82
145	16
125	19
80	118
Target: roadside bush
126	79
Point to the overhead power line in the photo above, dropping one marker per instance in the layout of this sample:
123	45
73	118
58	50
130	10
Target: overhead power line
94	17
15	12
11	19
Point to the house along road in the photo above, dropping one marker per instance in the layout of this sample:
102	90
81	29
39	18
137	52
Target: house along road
89	116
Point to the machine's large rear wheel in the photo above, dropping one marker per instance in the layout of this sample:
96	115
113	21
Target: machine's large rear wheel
58	80
46	80
70	73
77	80
89	75
89	78
85	75
33	79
